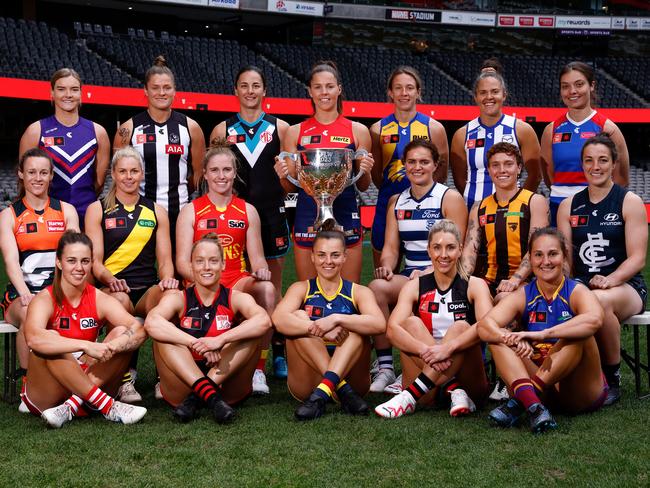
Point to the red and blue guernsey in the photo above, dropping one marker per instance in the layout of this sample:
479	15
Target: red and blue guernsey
568	138
542	314
73	150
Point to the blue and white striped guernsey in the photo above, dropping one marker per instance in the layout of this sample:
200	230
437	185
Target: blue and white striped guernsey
478	141
414	219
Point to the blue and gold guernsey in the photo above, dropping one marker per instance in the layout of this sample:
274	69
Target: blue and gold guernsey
542	314
479	138
393	137
318	305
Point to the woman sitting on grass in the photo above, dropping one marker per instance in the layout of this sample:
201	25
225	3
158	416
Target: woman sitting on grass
432	326
66	363
327	322
553	361
206	339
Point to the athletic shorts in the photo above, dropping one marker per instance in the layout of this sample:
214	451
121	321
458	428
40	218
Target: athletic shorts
600	400
136	295
378	233
230	278
407	271
636	282
275	239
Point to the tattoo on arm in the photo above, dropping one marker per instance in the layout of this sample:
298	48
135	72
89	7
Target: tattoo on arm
124	134
131	342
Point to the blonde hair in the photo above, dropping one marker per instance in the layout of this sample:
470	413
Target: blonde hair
110	201
448	226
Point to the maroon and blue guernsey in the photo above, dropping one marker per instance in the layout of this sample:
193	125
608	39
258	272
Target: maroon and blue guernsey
73	151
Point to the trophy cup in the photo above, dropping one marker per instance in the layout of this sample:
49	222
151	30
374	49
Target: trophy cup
323	174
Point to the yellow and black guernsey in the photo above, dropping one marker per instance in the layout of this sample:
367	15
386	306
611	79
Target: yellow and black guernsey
130	242
504	228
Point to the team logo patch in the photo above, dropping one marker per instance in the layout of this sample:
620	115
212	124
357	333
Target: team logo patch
561	137
340	139
55	225
222	322
241	138
206	224
433	307
145	138
482	220
225	240
64	323
314	311
236	224
537	317
579	220
115	223
460	316
314	140
404	214
487	219
232	139
192	323
475	143
31	228
587	135
174	149
54	141
174	138
513	226
88	323
146	223
266	137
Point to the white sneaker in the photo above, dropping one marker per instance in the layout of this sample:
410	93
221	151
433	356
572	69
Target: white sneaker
22	408
156	392
461	403
395	387
401	404
259	383
374	367
500	392
57	416
125	413
382	379
128	394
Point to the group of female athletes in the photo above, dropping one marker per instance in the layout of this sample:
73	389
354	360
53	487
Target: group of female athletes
482	265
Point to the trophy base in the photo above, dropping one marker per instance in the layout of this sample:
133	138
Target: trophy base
328	224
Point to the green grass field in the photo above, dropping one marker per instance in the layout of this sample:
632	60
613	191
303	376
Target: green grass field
266	447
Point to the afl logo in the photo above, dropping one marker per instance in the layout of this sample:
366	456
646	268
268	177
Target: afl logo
611	217
266	137
225	240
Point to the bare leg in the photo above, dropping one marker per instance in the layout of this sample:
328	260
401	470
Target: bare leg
235	369
177	369
276	266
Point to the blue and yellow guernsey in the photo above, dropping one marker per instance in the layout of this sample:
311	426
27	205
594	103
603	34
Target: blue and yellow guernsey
130	242
393	137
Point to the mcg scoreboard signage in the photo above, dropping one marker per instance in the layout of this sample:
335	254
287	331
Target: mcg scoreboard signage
407	15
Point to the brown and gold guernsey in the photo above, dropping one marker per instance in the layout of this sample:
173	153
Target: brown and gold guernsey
504	229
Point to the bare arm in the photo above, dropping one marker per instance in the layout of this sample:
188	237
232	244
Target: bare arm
491	328
10	252
163	244
588	319
123	136
472	241
71	217
530	152
290	144
439	138
377	169
546	155
564	226
396	334
103	157
219	132
454	208
369	321
93	229
365	163
110	310
158	322
184	240
197	150
390	252
622	167
254	247
30	138
458	159
286	321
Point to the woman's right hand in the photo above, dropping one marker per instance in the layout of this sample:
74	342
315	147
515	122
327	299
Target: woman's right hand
281	167
116	286
101	351
26	298
383	273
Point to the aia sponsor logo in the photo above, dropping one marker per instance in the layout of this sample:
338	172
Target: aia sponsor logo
174	149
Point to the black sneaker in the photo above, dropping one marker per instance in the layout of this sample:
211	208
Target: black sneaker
221	411
352	403
613	395
507	414
313	408
540	419
189	409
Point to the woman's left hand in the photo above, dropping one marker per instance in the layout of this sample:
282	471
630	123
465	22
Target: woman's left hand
322	326
168	284
262	274
601	282
437	356
212	358
508	285
207	344
513	338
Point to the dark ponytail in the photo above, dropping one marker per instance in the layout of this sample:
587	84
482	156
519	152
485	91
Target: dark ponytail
159	67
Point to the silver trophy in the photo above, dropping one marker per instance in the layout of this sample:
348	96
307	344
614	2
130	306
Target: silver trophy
323	174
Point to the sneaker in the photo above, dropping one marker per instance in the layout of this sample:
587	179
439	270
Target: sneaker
401	404
352	403
313	408
156	392
125	413
22	408
500	392
613	395
461	403
381	380
395	387
507	414
280	368
221	411
57	416
188	410
374	368
259	383
540	419
128	394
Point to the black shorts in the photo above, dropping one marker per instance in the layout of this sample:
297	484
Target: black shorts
638	283
275	237
136	295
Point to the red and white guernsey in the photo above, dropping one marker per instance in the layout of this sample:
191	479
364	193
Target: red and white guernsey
80	322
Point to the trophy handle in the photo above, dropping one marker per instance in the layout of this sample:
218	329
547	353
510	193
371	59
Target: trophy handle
358	154
293	157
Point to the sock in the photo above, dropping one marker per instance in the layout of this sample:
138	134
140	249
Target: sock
525	392
278	349
127	377
205	389
343	387
451	385
133	362
612	374
385	358
99	400
420	387
75	403
261	364
23	380
539	384
327	385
